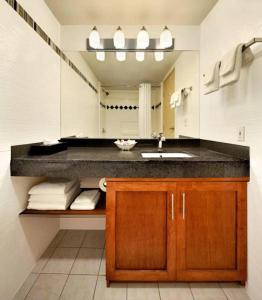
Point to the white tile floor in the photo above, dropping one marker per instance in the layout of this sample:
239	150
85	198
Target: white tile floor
73	268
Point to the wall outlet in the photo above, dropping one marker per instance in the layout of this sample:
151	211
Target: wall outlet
241	134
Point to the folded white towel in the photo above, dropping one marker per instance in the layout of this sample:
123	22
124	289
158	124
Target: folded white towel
52	202
176	98
52	187
86	200
231	64
211	79
55	198
48	206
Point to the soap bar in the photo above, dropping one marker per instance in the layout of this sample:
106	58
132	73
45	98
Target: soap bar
47	149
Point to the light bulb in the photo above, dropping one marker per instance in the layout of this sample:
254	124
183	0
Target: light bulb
159	56
121	56
119	39
94	38
100	55
142	39
140	56
166	39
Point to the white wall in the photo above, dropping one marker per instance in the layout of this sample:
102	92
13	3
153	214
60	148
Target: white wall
79	103
157	112
74	37
187	75
29	111
223	112
121	123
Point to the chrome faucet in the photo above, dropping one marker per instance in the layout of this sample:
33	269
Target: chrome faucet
160	139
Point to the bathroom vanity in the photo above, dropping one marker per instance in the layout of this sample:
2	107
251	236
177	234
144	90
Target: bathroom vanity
176	229
167	219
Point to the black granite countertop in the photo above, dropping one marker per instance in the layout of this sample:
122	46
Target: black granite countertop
81	160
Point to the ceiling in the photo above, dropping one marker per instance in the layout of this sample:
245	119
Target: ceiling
112	73
132	12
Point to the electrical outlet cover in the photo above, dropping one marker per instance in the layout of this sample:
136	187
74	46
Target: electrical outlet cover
241	134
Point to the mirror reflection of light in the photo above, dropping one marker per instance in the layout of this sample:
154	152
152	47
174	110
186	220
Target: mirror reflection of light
100	56
140	56
121	56
159	56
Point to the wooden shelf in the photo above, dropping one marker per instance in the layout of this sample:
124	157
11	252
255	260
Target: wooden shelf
99	210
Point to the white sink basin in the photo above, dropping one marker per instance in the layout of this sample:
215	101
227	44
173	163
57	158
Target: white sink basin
165	155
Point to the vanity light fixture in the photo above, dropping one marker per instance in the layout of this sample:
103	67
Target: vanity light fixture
94	38
100	55
166	38
142	39
119	39
121	56
159	56
140	56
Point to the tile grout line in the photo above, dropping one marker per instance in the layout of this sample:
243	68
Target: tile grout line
193	297
94	292
97	277
31	286
69	273
63	287
223	291
159	290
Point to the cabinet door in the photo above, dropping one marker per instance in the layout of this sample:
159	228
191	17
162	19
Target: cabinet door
140	243
211	242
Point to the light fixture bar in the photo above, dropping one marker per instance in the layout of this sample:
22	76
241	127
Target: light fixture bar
130	46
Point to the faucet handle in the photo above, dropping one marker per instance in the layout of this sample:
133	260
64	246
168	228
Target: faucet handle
161	136
154	135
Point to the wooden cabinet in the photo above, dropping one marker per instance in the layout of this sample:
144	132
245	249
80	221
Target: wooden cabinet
176	230
140	232
211	231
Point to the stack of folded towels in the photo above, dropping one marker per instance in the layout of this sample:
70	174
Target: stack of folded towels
53	194
87	200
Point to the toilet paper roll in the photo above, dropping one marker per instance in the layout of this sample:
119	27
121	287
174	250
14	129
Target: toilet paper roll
102	184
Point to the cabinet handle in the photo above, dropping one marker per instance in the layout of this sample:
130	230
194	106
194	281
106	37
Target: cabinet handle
172	207
184	204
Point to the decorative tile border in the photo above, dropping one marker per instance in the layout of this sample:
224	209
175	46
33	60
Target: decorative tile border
126	107
121	107
30	21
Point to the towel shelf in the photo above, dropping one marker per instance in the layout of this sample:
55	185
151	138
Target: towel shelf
252	42
99	210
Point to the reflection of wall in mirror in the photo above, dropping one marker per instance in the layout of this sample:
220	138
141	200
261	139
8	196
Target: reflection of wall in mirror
187	74
79	103
156	111
121	113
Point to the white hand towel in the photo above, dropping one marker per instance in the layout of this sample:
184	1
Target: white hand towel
86	200
231	64
228	63
211	79
176	98
52	187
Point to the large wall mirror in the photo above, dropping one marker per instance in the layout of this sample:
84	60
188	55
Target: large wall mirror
130	99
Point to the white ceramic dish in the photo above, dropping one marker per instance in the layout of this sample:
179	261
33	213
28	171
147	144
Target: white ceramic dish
125	145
